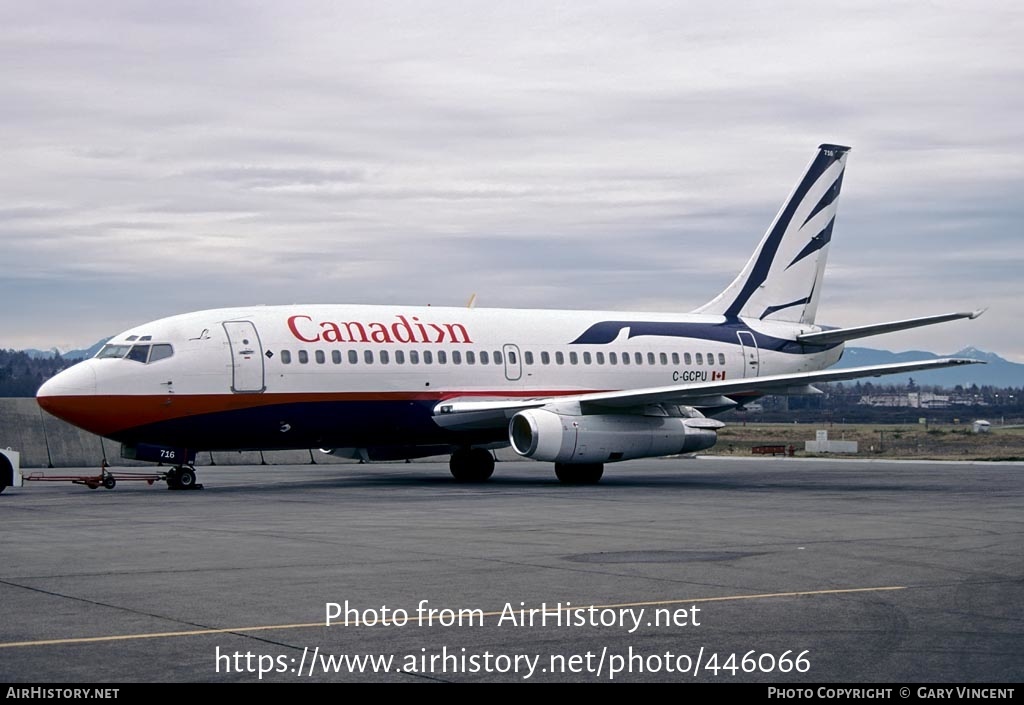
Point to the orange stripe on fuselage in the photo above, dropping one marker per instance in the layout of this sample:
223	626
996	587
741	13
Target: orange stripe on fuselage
106	415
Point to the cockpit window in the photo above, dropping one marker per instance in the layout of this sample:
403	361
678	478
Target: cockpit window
160	352
139	353
113	351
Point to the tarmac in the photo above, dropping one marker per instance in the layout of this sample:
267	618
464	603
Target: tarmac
687	570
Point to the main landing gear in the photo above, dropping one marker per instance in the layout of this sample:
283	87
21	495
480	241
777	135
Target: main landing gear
471	464
182	477
581	474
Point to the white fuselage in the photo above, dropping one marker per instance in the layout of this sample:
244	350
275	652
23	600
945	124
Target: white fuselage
244	374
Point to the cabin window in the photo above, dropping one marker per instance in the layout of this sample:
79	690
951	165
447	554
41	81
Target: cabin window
456	357
675	358
650	358
303	357
286	357
414	357
470	357
320	357
638	358
336	357
600	358
428	357
485	357
497	357
687	359
545	359
353	357
160	352
574	359
700	359
664	358
384	359
586	358
559	358
442	357
399	357
613	359
721	358
368	357
625	358
528	356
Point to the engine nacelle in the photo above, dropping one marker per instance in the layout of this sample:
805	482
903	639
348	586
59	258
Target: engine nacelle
545	435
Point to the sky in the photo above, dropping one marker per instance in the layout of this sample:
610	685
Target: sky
165	157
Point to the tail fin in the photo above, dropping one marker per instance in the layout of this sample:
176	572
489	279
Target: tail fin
782	280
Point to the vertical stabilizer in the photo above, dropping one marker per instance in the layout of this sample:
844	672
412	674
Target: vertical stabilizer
782	280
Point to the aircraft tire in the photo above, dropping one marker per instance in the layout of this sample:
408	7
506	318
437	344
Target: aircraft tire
186	478
109	482
582	474
172	479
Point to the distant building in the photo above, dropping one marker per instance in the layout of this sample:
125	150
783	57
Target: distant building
912	400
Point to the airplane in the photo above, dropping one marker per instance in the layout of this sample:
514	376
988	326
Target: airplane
579	389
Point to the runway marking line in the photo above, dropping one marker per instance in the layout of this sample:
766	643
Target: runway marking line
385	622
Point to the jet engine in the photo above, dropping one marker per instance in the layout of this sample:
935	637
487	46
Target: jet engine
605	438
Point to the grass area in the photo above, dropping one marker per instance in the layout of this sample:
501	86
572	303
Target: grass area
935	442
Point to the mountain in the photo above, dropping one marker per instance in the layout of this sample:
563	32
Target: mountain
997	372
41	354
69	355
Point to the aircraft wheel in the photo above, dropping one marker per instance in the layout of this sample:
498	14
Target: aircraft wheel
582	474
172	479
186	478
110	482
471	465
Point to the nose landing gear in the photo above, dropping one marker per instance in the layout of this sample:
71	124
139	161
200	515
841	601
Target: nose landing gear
182	477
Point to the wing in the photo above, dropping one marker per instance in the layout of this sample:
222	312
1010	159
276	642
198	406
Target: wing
470	413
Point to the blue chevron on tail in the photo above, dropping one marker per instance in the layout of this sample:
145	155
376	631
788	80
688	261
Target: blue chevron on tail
782	279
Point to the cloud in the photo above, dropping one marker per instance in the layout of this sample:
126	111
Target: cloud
160	158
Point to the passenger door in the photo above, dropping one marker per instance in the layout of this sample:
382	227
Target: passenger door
246	357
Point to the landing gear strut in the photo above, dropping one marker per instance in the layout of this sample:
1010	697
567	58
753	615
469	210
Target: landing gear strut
182	477
471	464
582	474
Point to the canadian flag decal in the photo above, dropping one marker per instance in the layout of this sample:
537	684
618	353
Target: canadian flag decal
717	375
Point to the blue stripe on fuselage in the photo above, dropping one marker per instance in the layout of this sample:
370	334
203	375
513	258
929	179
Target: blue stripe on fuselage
319	424
607	331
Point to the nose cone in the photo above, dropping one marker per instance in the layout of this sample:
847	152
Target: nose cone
74	381
71	394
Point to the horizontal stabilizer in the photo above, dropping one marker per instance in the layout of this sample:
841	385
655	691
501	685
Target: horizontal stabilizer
839	335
